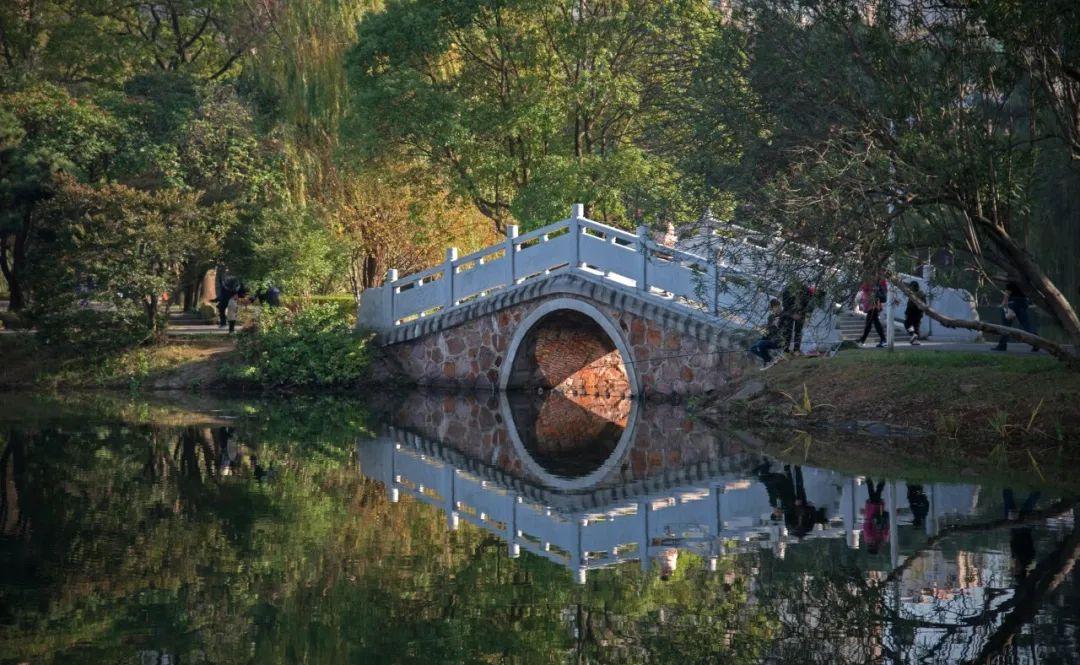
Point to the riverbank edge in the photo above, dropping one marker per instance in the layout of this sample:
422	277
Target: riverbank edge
978	401
952	396
917	459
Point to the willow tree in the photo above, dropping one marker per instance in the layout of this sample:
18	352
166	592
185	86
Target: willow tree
899	126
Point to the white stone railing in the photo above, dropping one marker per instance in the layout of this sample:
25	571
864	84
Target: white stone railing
757	253
711	515
575	244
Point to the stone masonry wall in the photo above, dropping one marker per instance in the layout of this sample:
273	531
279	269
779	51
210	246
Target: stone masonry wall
668	362
569	352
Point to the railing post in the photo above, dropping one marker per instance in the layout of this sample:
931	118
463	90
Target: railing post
511	250
577	213
643	249
713	287
388	296
448	275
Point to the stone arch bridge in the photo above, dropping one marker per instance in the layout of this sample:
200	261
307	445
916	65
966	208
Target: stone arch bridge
576	306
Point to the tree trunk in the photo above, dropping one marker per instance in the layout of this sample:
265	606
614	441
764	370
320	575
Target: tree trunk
151	313
12	273
187	302
1053	299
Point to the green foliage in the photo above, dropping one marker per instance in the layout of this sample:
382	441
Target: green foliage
123	246
922	128
526	107
312	346
87	331
345	305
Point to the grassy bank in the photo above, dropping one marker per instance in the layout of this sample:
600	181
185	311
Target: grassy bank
957	396
312	348
177	364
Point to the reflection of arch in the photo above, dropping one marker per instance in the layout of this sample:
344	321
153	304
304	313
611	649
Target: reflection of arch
568	305
555	482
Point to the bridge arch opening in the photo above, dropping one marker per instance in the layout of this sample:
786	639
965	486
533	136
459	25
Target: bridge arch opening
570	442
569	346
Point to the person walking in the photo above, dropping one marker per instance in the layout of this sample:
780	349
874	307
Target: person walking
1014	313
225	286
764	347
874	296
232	311
913	315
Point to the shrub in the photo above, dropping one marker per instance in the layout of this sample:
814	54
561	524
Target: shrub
207	312
345	304
310	346
82	331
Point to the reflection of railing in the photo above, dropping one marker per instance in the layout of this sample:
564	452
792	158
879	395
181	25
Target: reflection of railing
709	513
579	244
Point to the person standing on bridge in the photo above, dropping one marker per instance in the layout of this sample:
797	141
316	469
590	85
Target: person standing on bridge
874	296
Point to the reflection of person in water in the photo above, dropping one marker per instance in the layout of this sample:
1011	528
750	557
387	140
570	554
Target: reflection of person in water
1021	538
875	528
229	455
918	503
787	496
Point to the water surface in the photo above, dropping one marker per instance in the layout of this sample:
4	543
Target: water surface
452	528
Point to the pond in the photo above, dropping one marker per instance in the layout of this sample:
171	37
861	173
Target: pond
433	527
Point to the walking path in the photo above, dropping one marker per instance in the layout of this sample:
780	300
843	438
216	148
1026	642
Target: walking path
189	329
1015	348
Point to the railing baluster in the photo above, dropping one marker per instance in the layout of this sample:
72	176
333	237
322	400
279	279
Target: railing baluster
448	275
511	250
577	213
713	287
390	291
643	249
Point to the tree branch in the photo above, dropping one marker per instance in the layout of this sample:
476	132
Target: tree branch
1055	349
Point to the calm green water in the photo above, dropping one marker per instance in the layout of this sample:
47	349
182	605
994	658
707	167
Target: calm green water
443	528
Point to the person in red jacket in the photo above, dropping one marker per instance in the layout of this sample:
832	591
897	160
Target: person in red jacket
875	527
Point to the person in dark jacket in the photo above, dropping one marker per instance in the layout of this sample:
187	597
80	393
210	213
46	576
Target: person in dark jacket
873	295
773	338
795	306
913	315
227	286
787	497
273	296
1014	313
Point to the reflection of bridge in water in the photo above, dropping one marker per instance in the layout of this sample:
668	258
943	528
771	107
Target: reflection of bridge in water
642	479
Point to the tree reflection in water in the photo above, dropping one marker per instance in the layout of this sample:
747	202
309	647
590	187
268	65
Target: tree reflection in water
125	542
